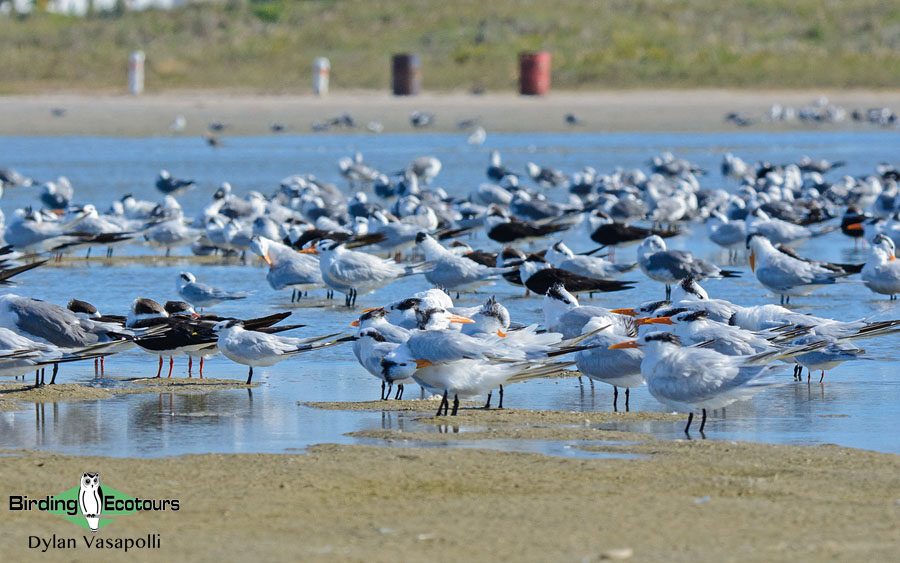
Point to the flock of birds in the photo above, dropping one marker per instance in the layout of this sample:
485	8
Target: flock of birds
694	353
822	110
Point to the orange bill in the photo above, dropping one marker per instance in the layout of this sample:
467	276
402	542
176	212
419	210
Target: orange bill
752	261
654	321
309	250
626	344
355	323
628	312
423	363
855	227
461	320
501	334
892	257
364	311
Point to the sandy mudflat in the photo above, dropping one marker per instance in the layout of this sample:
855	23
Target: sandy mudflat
16	394
247	114
679	501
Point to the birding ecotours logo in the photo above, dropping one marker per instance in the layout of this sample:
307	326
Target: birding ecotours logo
90	504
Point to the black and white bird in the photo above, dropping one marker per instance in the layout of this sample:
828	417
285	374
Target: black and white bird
170	185
672	266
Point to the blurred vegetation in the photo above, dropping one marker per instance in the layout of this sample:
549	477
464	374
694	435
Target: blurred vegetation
268	45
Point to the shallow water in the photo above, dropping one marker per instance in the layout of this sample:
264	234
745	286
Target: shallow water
855	406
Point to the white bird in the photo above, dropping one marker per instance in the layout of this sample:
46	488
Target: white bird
784	275
561	256
203	295
375	339
447	360
563	314
619	368
452	272
353	273
697	379
881	273
477	137
671	266
287	267
171	234
257	349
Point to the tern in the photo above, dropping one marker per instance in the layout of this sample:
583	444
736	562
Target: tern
881	272
351	272
257	349
203	295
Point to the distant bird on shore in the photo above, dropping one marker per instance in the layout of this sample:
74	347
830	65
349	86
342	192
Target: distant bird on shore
58	112
178	124
278	128
218	126
212	140
571	119
420	119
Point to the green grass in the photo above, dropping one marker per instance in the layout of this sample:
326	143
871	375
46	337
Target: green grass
268	45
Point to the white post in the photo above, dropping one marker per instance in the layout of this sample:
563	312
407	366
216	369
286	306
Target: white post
321	72
136	73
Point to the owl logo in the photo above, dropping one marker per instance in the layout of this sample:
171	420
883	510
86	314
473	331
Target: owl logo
90	497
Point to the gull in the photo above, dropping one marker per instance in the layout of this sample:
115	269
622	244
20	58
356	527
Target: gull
288	268
351	273
692	379
424	168
172	186
777	230
57	195
730	234
561	256
784	275
452	272
881	272
257	349
544	176
29	232
496	171
171	234
202	295
671	266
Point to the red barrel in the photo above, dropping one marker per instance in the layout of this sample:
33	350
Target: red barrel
534	73
406	74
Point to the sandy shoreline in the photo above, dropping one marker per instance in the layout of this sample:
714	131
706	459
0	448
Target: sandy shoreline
248	114
668	500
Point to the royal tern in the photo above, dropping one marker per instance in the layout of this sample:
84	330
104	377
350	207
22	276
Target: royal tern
351	273
561	256
287	267
697	379
202	295
881	272
257	349
616	367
